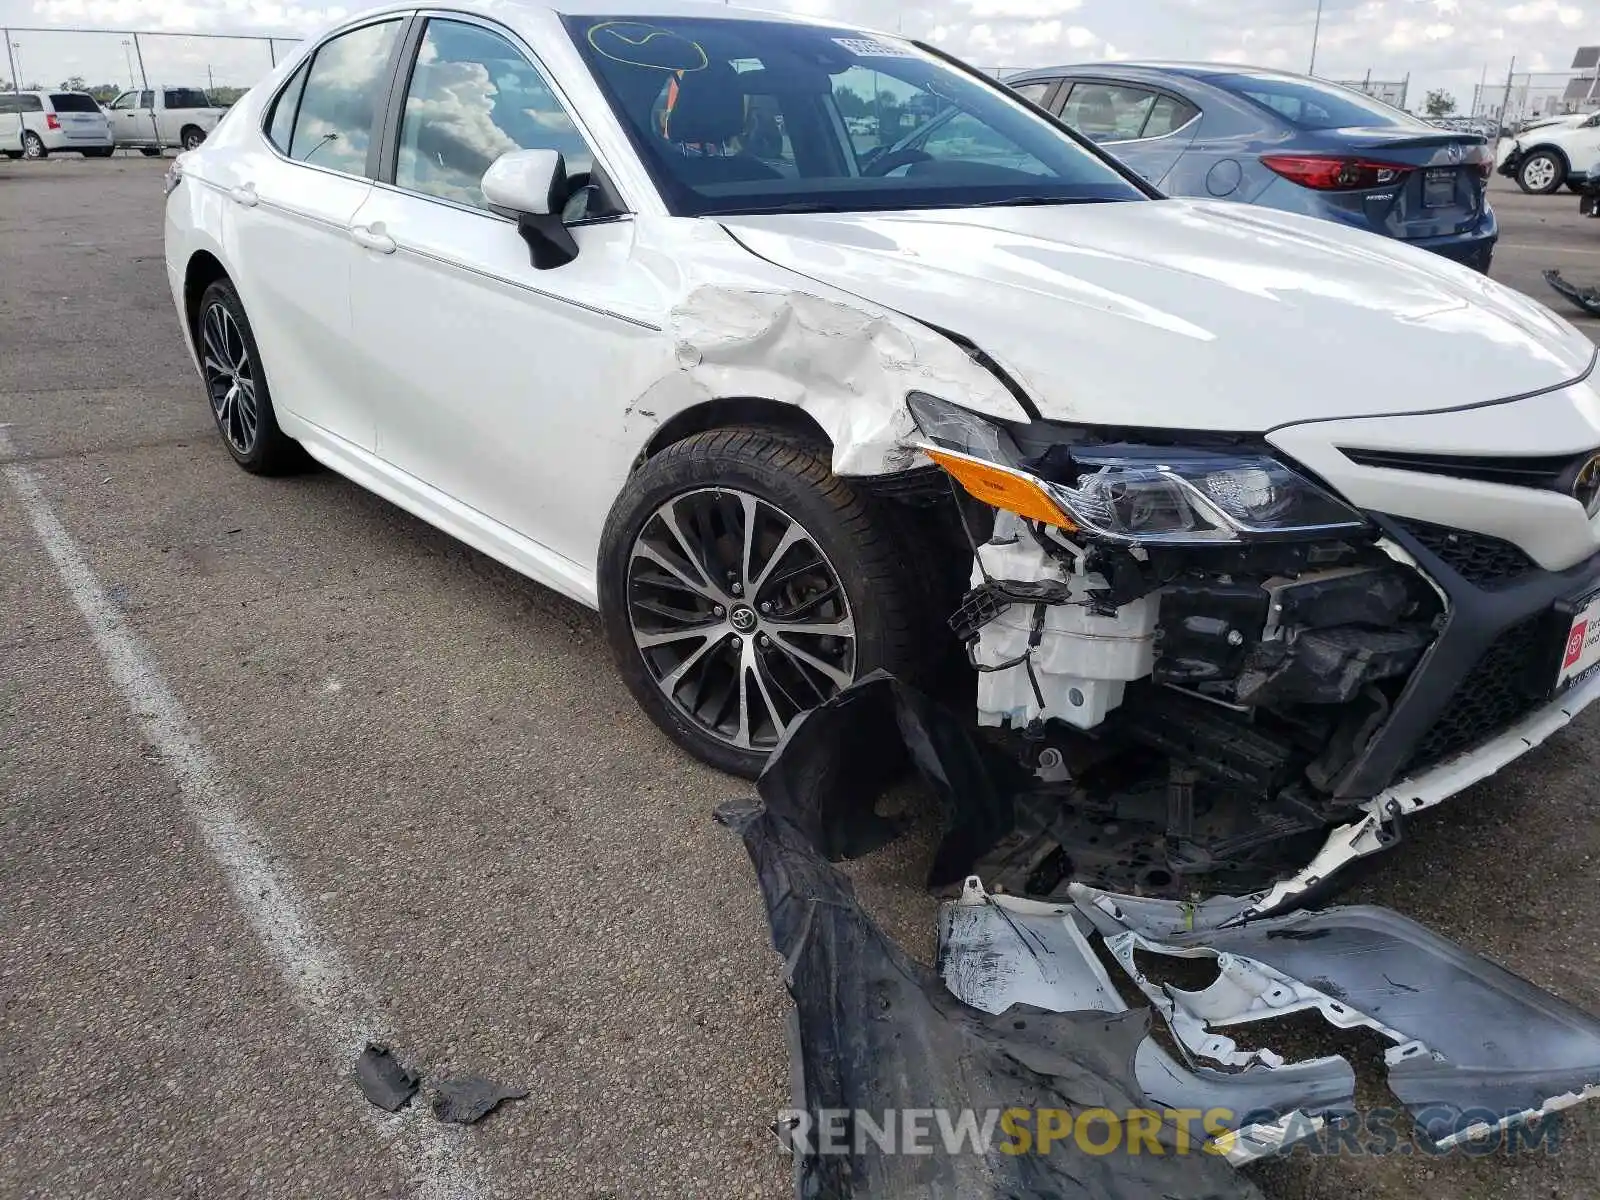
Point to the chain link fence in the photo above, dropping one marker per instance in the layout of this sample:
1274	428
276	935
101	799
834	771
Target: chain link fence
1529	95
1390	91
107	62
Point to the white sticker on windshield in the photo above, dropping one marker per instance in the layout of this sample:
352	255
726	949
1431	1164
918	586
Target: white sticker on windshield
871	48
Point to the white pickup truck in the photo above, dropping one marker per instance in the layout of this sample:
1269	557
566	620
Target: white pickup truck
156	118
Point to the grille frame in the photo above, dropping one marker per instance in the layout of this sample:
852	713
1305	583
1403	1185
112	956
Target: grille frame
1482	560
1497	693
1413	739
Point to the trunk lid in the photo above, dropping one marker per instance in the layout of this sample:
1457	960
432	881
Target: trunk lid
1442	191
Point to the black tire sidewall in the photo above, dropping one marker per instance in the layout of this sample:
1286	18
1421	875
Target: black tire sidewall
673	474
262	451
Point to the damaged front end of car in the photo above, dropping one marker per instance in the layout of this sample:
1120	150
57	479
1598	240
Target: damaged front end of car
1205	659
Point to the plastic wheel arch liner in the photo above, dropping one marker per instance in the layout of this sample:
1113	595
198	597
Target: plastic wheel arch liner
1476	1048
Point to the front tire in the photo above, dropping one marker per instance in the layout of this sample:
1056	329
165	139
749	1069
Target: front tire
236	385
1541	173
742	582
33	146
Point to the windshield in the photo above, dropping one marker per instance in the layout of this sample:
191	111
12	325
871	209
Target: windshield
1312	104
740	116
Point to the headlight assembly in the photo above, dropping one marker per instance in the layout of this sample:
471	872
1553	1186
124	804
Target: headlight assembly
1129	493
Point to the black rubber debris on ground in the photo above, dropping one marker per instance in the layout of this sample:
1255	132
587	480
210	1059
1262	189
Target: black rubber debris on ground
468	1100
383	1079
876	1032
1587	299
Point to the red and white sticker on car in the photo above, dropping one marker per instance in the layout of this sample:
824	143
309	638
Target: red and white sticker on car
1583	644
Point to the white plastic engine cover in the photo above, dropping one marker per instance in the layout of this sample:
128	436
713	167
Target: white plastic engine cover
1083	661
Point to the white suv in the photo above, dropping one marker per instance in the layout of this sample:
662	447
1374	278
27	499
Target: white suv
37	123
1568	152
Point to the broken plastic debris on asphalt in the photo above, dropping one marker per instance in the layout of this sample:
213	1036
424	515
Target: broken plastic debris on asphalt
1023	1013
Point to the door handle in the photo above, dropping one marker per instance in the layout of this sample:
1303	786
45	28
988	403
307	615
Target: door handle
373	238
244	194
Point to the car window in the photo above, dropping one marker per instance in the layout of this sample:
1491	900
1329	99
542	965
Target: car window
341	96
473	97
961	137
125	102
147	99
1313	104
747	115
1032	92
76	102
185	98
29	104
1108	112
1167	114
280	126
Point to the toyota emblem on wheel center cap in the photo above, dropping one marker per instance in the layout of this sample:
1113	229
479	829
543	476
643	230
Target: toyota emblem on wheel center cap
743	618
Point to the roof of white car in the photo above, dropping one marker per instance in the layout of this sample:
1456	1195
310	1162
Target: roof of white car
624	10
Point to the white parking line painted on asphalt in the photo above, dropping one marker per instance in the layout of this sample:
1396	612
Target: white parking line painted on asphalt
337	1003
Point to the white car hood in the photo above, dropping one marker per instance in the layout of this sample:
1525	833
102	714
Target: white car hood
1189	315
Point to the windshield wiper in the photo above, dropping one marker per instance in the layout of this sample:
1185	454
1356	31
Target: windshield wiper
1021	201
795	206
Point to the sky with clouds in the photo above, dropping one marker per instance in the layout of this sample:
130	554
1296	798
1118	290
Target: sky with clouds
1439	43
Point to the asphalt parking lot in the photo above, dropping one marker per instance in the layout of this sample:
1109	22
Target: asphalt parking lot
501	867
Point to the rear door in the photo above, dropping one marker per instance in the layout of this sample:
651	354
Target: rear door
293	198
1145	128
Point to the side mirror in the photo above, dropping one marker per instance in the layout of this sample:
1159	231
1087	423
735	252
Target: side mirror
531	187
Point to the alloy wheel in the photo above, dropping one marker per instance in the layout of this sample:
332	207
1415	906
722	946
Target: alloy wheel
193	139
1540	173
32	147
740	617
230	378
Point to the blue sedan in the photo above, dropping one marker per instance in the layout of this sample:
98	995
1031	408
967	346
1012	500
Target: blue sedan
1284	141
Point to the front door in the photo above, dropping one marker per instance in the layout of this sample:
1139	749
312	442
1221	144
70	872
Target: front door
500	385
133	119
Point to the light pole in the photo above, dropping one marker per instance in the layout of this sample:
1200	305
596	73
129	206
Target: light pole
127	57
16	64
1316	32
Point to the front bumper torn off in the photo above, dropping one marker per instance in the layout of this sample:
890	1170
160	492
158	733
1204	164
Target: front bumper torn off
1475	1048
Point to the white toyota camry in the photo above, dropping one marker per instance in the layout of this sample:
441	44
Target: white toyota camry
802	351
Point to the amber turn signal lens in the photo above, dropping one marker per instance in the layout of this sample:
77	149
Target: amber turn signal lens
1001	488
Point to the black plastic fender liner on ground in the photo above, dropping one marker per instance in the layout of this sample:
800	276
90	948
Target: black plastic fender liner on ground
877	1032
838	758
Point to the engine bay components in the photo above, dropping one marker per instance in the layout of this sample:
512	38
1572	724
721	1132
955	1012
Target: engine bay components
1054	656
